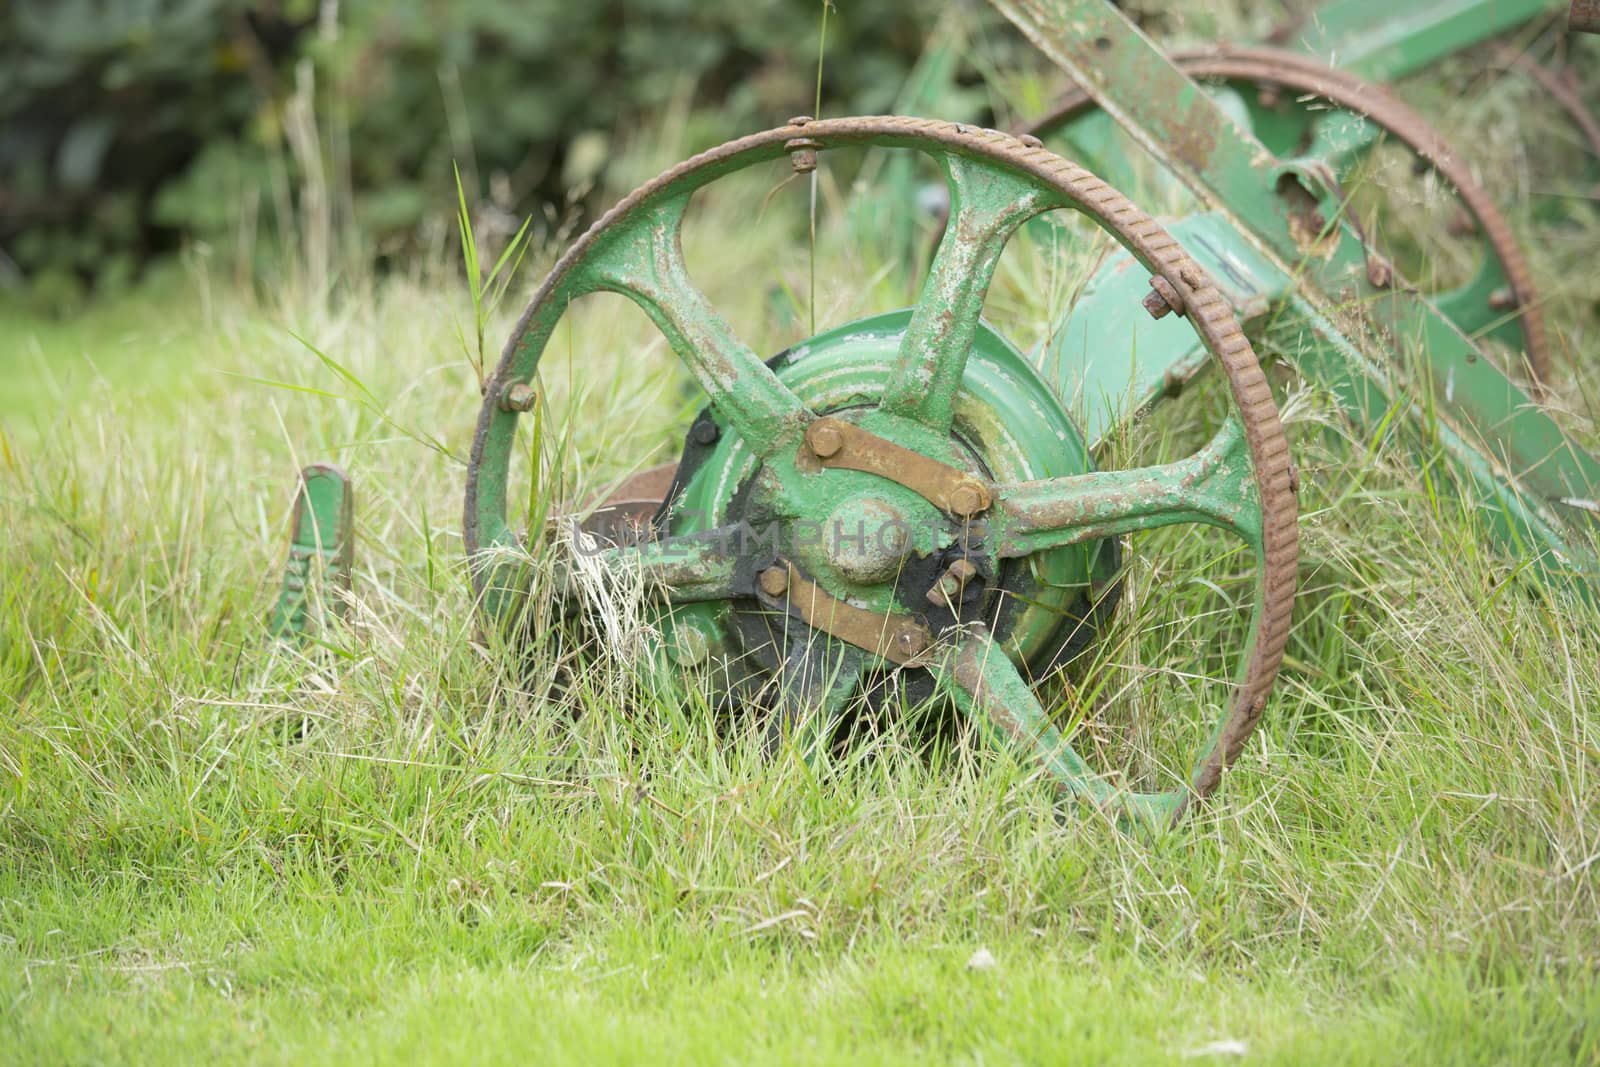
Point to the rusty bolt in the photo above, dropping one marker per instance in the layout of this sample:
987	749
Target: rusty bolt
967	499
1502	299
1031	141
775	581
802	150
963	570
910	641
1584	16
518	396
952	583
1162	298
800	120
824	438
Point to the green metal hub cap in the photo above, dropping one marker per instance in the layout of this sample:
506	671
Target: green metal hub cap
905	491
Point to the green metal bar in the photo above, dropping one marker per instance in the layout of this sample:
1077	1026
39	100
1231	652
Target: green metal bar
986	686
686	570
644	261
1383	40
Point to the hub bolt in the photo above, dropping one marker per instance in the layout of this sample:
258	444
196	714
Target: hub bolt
910	642
824	438
1502	300
947	591
967	499
775	581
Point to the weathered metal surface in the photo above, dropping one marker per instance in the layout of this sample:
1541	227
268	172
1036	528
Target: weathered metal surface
1522	469
1001	703
1338	139
1584	16
762	472
988	201
317	571
843	445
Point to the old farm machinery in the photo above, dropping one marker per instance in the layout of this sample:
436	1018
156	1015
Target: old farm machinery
981	540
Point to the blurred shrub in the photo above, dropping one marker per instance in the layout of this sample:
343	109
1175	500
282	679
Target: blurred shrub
127	126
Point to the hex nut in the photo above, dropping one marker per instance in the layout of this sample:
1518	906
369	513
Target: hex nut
824	439
910	641
1162	298
775	581
967	499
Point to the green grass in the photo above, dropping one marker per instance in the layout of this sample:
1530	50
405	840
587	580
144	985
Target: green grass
397	846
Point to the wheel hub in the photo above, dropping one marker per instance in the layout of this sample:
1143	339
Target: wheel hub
852	505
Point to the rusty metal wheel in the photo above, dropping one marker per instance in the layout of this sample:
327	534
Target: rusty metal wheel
924	425
1501	301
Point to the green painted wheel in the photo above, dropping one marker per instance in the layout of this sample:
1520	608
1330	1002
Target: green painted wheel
905	491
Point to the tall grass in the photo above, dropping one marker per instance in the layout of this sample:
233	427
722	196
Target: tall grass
407	843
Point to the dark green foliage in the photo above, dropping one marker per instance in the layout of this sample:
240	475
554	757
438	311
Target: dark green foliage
127	126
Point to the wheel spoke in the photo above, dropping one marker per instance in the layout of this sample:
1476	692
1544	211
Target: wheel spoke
1215	486
988	688
644	261
684	569
987	204
818	677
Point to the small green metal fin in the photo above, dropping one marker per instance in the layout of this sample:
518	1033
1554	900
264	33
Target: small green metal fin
321	551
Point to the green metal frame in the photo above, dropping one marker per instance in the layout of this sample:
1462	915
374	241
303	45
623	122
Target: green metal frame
1274	233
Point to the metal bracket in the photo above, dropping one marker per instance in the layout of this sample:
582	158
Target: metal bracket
845	446
897	638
